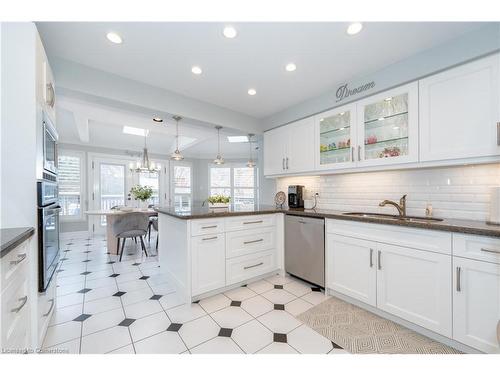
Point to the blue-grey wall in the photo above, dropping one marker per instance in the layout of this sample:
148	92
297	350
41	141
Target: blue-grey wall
470	46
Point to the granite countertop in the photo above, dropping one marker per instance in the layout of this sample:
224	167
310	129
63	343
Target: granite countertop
447	225
11	237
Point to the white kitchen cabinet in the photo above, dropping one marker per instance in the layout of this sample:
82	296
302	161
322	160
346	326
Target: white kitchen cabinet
45	82
208	263
460	112
290	148
351	267
415	285
387	127
476	304
335	138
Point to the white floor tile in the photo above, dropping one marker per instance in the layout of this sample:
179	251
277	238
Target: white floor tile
240	294
132	286
103	304
257	306
297	288
99	274
61	333
297	306
106	340
278	296
149	326
198	331
218	345
136	296
279	280
161	343
98	293
185	313
65	314
68	347
307	341
129	349
163	289
315	297
142	309
70	279
252	336
279	321
215	303
98	322
171	300
231	317
278	348
129	276
260	286
69	300
63	289
338	351
100	283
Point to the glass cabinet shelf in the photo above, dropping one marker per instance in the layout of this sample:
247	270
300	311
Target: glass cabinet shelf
333	131
380	120
335	149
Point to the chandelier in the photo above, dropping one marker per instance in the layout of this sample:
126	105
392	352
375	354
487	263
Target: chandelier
145	165
176	155
219	159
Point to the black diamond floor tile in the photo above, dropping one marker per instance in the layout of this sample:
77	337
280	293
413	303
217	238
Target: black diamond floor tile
156	297
236	303
278	306
88	251
62	259
335	346
174	327
315	289
126	322
85	290
82	318
59	271
278	287
111	262
86	261
143	277
119	294
114	275
136	264
279	337
225	332
86	273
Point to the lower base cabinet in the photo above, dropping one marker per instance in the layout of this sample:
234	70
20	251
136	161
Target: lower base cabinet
208	263
476	304
415	285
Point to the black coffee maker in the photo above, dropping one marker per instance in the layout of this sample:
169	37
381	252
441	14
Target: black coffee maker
296	196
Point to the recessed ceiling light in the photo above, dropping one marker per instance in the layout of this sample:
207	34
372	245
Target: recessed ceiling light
114	38
135	131
290	67
157	119
230	32
196	70
237	138
354	28
252	92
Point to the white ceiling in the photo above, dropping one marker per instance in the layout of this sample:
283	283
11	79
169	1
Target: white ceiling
161	54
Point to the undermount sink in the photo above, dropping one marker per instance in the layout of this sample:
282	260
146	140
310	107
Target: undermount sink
422	219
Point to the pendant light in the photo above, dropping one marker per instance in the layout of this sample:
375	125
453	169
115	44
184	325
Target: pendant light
219	159
250	162
145	165
176	155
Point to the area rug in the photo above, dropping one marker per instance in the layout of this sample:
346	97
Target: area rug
360	332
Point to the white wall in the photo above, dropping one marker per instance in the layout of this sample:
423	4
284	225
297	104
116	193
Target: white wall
454	192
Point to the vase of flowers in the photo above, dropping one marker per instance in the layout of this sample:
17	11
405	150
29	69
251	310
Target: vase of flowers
142	194
218	201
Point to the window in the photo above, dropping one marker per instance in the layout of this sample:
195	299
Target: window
151	179
112	180
181	186
70	185
236	181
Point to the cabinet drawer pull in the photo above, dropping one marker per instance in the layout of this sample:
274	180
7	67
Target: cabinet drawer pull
209	227
255	265
490	250
371	258
20	307
16	262
498	331
253	241
379	255
352	154
51	97
253	222
498	133
287	163
52	303
283	164
209	238
459	286
359	153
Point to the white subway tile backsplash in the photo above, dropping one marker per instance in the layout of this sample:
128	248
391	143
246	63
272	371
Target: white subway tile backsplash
454	192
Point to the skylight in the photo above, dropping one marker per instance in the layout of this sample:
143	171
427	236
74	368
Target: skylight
135	131
237	138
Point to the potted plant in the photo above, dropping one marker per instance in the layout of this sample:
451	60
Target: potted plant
142	194
218	201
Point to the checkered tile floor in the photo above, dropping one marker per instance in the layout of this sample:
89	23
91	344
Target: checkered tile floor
107	306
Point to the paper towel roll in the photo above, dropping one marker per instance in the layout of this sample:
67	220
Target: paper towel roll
495	205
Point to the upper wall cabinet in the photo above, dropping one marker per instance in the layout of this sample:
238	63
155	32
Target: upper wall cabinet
335	138
45	91
460	112
387	127
290	148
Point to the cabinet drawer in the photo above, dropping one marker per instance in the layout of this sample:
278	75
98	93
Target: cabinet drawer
46	307
245	242
477	247
249	222
15	312
207	226
13	262
248	266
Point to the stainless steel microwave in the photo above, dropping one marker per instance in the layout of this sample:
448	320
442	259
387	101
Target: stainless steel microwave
50	138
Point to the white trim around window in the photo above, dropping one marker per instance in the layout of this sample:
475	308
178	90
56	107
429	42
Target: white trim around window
82	190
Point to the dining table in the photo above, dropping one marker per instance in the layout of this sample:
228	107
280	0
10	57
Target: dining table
111	215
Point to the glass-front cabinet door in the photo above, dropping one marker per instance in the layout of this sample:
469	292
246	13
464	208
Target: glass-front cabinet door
387	127
335	138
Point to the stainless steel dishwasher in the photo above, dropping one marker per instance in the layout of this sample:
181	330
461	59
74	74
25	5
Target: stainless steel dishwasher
305	248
